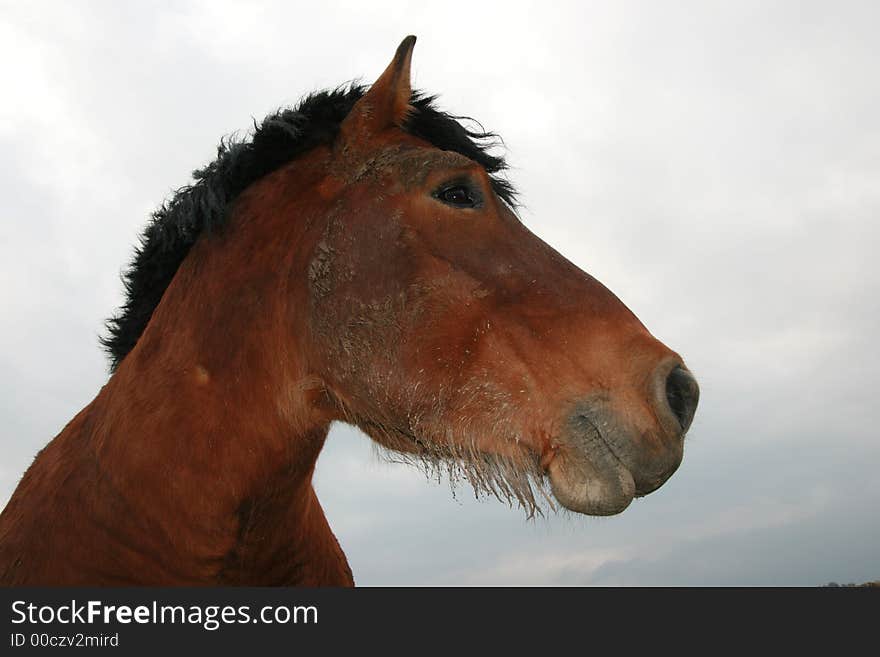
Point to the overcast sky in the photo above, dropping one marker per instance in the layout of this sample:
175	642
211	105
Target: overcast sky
715	165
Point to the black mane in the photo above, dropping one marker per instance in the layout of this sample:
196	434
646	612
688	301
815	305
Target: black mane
281	137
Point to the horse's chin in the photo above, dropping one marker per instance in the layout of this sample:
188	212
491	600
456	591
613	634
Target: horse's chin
590	479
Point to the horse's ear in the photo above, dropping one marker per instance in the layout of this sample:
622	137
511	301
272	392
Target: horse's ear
386	104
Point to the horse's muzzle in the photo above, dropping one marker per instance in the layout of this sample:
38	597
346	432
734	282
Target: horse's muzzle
617	447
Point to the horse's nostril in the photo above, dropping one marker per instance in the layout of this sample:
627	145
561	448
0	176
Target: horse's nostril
682	393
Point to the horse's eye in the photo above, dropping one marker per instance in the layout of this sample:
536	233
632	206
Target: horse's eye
458	196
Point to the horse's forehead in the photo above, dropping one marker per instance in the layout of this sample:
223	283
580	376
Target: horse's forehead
408	157
409	164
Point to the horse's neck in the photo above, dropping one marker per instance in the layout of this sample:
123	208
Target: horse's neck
283	538
194	463
166	488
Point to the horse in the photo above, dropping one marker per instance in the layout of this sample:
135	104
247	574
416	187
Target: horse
358	258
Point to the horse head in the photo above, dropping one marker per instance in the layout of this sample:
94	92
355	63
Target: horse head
449	332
